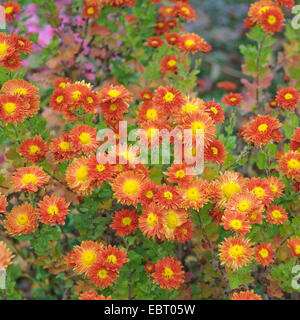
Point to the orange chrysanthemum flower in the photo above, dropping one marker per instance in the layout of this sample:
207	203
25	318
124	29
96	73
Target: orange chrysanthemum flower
215	111
261	190
246	295
60	99
149	267
22	44
289	163
92	295
125	222
272	20
168	273
5	256
90	11
62	149
78	177
11	9
155	42
150	112
53	209
236	221
12	109
287	3
295	141
184	10
171	220
177	173
128	187
150	222
146	95
294	245
216	214
61	83
101	275
76	91
235	252
3	203
169	64
277	215
227	85
191	42
276	186
84	139
13	61
21	220
172	38
113	94
113	258
264	254
84	256
262	130
7	47
258	8
168	98
100	172
90	102
29	179
215	152
147	195
288	98
184	232
167	197
164	11
232	99
33	149
256	216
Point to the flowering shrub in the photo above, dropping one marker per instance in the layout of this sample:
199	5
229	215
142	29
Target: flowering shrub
75	227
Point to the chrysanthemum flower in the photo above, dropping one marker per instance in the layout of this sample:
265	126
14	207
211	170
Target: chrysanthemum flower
261	190
146	95
227	85
264	253
61	148
60	99
150	267
13	62
150	112
236	252
288	98
272	20
256	217
22	44
289	163
3	203
168	273
277	215
101	275
90	11
262	130
295	141
215	152
11	9
33	149
236	221
125	222
169	64
216	214
161	27
84	256
6	47
5	256
258	8
273	103
155	42
171	220
232	99
113	258
165	11
61	83
76	91
184	10
215	111
29	179
12	109
294	245
177	174
100	172
21	220
167	197
276	186
53	209
168	98
149	190
150	222
84	139
172	38
287	3
92	295
191	42
246	295
184	232
128	187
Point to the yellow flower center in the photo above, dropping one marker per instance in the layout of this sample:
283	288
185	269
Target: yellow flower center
146	96
273	187
90	10
88	258
168	273
172	220
90	100
29	178
180	174
293	164
34	149
152	219
3	49
259	192
64	145
59	99
263	9
214	150
236	251
230	188
111	259
263	127
189	108
113	107
85	138
235	224
9	107
76	95
20	91
197	125
185	10
193	194
100	167
62	85
169	97
297	249
276	214
22	219
149	194
189	43
244	206
214	110
9	10
81	174
114	93
264	253
53	210
288	96
151	114
172	63
168	195
271	19
21	43
102	274
126	221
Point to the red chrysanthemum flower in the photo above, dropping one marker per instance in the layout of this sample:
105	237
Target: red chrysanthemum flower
227	85
61	83
287	3
21	220
216	214
294	245
146	95
236	221
276	186
150	112
289	163
29	179
191	42
168	98
33	149
177	173
161	27
5	256
101	275
235	252
11	9
7	47
273	103
246	295
3	203
264	254
171	220
12	109
184	10
125	222
53	209
92	295
62	149
277	215
215	111
84	139
172	38
22	44
76	91
262	130
288	98
232	99
150	267
167	197
295	141
165	11
150	222
90	11
60	99
155	42
146	197
169	64
13	62
184	232
261	189
258	8
100	172
113	258
215	152
168	273
272	20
